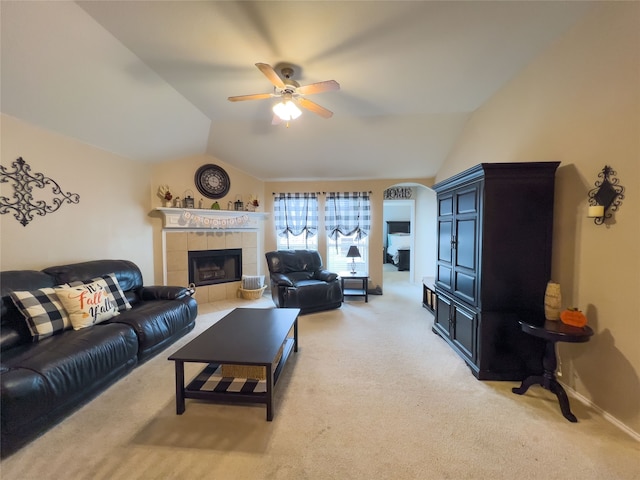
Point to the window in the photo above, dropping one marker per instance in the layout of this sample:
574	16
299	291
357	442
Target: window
297	242
296	220
337	249
347	222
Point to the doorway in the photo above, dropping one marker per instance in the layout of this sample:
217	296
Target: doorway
398	240
421	212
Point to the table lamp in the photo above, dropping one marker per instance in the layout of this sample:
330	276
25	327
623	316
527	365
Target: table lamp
353	253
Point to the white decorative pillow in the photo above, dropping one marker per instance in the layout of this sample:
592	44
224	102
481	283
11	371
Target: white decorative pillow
88	304
42	310
252	282
118	295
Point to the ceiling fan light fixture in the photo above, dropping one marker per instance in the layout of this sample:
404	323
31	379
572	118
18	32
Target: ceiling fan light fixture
287	90
286	110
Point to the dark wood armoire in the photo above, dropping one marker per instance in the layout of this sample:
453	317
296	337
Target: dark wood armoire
495	224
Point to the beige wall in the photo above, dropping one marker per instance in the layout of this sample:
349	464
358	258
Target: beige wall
179	175
579	103
376	187
110	221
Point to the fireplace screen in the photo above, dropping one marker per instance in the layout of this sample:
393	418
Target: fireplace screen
208	267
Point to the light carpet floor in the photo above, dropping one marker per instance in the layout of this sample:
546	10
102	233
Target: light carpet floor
371	394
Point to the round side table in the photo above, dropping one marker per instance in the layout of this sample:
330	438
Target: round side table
553	332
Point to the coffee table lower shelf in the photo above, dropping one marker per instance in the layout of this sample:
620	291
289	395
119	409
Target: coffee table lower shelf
233	390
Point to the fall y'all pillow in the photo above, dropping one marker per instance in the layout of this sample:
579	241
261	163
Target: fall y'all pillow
114	287
88	304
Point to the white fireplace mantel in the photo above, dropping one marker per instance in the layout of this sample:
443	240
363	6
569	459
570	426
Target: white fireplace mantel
204	219
178	220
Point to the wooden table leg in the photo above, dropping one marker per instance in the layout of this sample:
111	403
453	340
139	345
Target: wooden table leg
365	285
563	400
269	393
179	387
549	382
526	383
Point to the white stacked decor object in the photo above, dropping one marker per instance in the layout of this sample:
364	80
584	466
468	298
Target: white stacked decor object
552	301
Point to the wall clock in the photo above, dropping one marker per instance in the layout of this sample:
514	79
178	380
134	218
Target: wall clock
212	181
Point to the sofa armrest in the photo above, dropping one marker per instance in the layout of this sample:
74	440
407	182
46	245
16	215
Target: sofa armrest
326	275
160	292
281	279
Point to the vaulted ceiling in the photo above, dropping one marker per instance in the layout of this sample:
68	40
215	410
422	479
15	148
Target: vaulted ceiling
149	80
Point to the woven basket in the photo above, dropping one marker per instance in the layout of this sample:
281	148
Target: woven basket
249	371
252	294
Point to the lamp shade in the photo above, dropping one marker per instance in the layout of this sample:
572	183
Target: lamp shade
353	252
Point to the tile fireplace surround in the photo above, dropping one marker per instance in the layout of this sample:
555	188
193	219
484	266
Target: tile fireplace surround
185	230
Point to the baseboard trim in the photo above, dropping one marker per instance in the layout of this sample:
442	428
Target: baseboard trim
607	416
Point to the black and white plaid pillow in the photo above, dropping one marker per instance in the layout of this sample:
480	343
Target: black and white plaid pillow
42	310
114	287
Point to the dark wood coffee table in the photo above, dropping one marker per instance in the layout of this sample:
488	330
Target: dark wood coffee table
246	336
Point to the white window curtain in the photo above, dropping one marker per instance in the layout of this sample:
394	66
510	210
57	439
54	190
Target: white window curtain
296	220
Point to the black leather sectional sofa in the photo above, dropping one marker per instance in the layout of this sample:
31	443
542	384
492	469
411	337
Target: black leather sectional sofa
43	381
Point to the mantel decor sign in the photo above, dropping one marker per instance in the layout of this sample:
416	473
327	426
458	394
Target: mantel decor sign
202	221
398	193
23	202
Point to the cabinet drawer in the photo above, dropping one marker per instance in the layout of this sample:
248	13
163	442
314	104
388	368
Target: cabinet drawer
445	205
465	287
457	324
445	244
442	319
467	200
464	330
443	277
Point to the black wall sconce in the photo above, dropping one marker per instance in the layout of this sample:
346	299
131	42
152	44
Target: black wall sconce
606	196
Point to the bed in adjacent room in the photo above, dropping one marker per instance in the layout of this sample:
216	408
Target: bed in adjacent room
398	247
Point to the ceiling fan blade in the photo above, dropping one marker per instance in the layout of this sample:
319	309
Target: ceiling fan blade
327	86
257	96
314	107
271	74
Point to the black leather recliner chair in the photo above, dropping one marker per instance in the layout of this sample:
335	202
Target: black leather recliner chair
298	280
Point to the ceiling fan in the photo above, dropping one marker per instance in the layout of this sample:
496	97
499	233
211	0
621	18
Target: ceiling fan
291	93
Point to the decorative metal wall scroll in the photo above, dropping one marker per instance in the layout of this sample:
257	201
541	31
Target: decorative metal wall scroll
607	193
398	193
22	202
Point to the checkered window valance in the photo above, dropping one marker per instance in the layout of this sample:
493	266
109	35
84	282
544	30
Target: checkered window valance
347	214
296	214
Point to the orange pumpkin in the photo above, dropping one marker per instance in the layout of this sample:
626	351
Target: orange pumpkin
573	317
